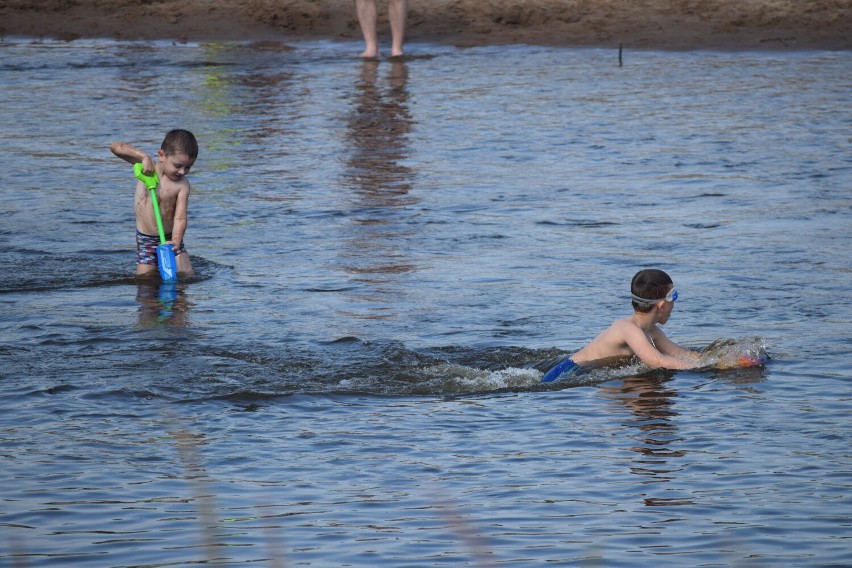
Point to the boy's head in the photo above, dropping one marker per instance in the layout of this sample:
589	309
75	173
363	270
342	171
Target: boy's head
177	154
648	287
180	142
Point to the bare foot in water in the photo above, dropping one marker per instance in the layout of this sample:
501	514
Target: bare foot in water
367	14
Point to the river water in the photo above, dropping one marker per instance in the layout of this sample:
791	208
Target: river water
389	254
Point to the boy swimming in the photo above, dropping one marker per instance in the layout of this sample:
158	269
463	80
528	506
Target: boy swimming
175	158
653	297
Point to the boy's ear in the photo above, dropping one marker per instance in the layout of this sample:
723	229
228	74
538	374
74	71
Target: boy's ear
161	155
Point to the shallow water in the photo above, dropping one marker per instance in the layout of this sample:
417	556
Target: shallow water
389	254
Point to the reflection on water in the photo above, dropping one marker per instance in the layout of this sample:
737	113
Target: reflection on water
162	304
651	400
238	85
378	130
377	135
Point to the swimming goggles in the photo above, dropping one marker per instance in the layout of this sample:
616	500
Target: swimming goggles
670	297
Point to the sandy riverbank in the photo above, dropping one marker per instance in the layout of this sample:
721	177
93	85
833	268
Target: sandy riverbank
661	24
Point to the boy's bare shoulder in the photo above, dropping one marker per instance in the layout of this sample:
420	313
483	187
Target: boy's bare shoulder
624	325
613	342
627	330
618	333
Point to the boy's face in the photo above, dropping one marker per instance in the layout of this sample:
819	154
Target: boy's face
175	166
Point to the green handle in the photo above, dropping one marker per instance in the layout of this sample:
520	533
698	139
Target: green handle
151	182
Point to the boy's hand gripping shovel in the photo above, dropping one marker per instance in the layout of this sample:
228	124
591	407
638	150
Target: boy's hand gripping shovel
165	253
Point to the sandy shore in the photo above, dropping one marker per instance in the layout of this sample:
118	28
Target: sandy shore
658	24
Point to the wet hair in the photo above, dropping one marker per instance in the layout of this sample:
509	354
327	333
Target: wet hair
178	140
651	284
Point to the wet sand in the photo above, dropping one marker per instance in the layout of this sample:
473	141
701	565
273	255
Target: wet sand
640	24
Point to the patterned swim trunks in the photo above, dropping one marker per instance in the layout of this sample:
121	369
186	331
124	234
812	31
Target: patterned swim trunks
146	248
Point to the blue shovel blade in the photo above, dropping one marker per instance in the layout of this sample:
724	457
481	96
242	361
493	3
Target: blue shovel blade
167	262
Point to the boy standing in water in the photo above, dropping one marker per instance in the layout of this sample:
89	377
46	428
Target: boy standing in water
638	335
176	156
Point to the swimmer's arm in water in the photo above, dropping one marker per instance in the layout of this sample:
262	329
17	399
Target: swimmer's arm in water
133	155
669	347
669	356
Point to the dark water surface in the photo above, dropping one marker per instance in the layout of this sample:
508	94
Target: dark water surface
388	256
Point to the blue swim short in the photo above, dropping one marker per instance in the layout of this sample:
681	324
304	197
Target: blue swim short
564	366
146	248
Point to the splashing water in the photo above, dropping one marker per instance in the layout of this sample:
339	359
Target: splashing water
732	353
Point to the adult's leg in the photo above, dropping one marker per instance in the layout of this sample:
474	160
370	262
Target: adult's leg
397	13
367	19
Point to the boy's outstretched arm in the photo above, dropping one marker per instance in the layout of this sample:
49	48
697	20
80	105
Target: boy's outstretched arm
669	347
651	356
133	156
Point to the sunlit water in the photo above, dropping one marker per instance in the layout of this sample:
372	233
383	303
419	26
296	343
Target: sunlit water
389	256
